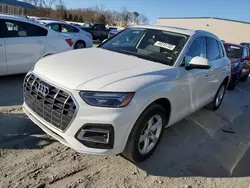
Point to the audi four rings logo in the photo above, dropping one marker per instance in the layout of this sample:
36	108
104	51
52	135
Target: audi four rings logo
44	90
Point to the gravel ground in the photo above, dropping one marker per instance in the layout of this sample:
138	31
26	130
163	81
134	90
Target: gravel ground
207	149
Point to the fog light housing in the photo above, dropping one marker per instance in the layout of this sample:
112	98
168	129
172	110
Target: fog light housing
99	136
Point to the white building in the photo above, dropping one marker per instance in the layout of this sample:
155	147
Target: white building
228	30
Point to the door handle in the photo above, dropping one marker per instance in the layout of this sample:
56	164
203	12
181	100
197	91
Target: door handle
39	42
206	76
1	45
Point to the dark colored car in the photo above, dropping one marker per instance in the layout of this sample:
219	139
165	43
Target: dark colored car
239	57
98	31
74	24
113	32
112	28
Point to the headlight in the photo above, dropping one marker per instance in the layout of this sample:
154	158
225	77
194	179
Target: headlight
107	99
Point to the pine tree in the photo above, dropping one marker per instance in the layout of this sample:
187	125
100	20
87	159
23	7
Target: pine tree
70	17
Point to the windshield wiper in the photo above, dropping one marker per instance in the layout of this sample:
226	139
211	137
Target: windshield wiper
150	58
154	59
123	51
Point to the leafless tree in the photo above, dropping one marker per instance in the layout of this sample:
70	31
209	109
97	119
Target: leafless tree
57	9
61	9
142	19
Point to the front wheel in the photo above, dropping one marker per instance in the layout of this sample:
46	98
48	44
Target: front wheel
215	104
146	134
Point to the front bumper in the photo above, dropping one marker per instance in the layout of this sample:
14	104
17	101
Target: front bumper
120	119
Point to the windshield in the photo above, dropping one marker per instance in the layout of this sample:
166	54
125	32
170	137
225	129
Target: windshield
246	44
87	25
154	45
233	51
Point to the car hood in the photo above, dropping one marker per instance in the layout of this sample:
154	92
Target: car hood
95	68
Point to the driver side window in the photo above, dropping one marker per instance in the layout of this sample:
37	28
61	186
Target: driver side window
197	49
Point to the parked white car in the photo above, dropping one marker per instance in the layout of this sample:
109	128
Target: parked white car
23	43
118	98
81	38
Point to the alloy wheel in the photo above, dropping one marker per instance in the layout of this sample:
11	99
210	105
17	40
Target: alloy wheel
220	96
150	134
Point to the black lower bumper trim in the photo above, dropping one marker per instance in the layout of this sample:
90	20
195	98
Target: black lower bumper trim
100	136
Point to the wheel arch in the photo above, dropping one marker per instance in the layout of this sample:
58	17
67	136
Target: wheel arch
48	54
162	101
165	102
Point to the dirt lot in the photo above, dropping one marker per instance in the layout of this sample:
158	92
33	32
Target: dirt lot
207	149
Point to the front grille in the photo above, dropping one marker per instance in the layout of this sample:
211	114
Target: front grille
55	106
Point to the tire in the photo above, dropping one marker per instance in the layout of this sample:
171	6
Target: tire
234	81
244	78
80	45
135	149
214	105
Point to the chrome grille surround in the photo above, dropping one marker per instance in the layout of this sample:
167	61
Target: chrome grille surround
57	107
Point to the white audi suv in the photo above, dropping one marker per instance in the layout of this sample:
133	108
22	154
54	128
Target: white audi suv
119	97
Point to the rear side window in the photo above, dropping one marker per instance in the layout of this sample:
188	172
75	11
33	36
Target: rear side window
213	52
69	29
221	50
23	29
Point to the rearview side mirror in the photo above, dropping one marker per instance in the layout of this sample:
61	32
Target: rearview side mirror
247	58
198	63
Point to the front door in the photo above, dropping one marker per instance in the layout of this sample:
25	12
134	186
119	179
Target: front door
193	82
198	77
3	68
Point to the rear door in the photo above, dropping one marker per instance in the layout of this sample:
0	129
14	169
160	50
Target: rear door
3	67
69	30
214	76
25	45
